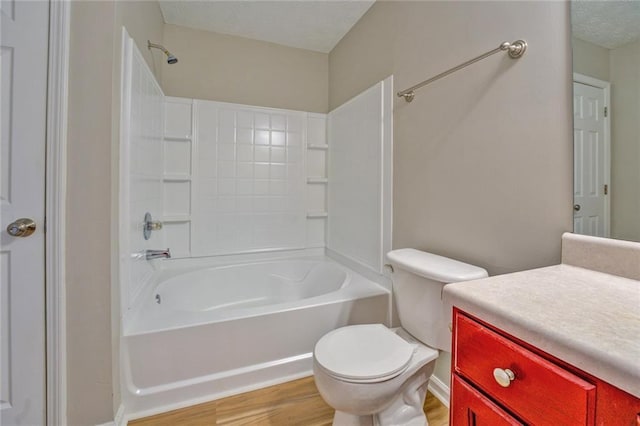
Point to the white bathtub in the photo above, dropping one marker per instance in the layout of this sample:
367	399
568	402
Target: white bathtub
213	332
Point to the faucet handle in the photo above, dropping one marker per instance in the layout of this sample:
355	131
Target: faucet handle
150	225
154	225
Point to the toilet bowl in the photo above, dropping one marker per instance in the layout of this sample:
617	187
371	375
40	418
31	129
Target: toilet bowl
380	378
376	376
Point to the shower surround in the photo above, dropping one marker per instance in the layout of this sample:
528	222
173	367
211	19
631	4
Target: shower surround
260	268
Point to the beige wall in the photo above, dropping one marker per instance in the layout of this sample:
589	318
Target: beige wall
89	386
94	81
143	21
625	145
590	59
483	158
235	69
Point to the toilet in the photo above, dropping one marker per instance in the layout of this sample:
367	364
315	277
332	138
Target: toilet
376	376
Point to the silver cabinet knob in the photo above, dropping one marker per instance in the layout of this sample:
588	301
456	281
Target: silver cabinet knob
577	207
503	377
22	227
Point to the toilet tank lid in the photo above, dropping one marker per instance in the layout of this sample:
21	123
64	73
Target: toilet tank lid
434	267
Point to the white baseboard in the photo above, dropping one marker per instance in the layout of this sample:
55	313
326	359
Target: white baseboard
439	390
119	418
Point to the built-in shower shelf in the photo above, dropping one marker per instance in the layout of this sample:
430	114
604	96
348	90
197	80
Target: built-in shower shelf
322	180
322	147
317	215
177	218
178	138
176	178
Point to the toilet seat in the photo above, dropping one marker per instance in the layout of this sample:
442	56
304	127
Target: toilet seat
363	353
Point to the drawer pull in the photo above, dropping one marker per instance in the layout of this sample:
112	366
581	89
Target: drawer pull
503	377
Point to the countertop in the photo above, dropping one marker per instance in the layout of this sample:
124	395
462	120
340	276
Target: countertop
586	318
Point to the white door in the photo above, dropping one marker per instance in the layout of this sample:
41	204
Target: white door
590	216
23	90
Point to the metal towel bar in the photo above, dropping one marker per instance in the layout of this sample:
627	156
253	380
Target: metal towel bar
515	51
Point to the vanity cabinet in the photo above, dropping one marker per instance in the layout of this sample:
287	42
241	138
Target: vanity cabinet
500	380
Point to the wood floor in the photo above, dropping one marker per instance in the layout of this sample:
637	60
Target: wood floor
294	403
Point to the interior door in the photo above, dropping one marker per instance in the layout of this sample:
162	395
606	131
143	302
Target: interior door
23	91
590	216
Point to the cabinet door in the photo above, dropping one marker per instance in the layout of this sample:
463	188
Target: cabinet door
470	408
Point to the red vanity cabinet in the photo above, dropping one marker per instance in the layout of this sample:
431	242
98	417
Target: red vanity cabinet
534	389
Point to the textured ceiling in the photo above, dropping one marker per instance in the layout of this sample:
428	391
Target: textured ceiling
307	24
608	23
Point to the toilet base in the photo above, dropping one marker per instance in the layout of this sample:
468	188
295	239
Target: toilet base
406	409
340	418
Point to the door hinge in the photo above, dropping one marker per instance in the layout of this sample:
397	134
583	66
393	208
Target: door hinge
606	189
606	111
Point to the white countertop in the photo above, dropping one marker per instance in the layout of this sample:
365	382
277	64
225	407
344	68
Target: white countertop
588	319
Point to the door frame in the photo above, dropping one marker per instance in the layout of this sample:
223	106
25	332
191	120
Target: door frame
55	207
606	87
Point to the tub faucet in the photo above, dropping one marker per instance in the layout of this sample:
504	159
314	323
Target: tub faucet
157	254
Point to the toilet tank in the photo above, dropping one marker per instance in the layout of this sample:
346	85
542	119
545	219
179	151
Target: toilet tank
418	280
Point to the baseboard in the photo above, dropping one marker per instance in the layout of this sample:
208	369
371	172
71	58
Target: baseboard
119	418
439	390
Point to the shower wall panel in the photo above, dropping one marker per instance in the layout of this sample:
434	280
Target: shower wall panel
141	175
360	177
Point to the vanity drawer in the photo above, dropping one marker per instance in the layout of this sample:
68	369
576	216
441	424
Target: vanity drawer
539	386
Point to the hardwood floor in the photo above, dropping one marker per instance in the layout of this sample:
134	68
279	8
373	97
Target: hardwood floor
294	403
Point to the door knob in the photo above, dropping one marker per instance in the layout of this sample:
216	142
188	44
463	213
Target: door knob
576	207
22	227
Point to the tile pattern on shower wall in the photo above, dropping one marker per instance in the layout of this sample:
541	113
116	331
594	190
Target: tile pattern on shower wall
249	179
145	170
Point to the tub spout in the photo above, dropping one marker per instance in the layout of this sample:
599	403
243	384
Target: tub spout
157	254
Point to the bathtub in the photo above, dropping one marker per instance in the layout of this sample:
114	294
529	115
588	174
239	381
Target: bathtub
211	332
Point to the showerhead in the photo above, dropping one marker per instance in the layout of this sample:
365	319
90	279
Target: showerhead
171	59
